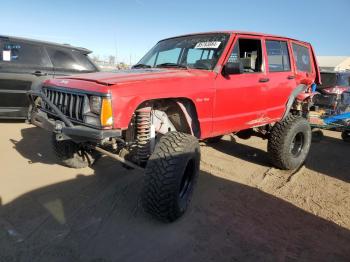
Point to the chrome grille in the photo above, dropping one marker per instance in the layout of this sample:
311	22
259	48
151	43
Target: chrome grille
69	103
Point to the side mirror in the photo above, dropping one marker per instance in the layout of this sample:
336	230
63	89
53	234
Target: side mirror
233	68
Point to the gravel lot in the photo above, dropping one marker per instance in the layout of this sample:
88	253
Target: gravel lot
242	210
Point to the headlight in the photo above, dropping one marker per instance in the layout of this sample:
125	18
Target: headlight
95	104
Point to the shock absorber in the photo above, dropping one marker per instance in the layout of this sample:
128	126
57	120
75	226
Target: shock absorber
143	134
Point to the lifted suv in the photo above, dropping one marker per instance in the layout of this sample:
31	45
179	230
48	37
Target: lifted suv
199	86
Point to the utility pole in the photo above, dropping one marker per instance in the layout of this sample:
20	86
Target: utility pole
116	51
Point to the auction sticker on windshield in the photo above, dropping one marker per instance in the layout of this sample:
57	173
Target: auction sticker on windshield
211	44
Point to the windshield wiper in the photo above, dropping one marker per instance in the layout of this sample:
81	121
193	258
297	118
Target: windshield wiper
172	65
140	66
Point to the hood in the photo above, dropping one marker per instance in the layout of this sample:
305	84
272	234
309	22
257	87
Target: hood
135	75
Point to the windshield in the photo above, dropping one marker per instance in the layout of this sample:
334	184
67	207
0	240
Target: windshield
195	51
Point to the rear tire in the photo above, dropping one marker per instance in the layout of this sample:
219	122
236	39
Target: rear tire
289	142
73	155
170	176
345	135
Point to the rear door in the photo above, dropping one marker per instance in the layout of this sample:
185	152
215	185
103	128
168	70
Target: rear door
23	66
68	61
281	77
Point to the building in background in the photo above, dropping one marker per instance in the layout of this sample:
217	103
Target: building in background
109	63
334	63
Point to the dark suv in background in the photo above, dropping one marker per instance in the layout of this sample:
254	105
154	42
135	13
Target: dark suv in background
25	63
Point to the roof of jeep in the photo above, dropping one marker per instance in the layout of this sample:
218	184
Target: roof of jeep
33	41
241	33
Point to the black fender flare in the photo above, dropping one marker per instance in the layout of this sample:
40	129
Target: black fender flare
299	89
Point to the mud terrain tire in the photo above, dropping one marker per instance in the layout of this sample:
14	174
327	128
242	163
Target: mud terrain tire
289	142
73	155
170	175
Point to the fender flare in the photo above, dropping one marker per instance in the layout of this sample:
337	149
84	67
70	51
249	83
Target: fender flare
299	89
187	107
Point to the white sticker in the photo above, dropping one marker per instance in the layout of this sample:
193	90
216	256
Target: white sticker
6	55
212	44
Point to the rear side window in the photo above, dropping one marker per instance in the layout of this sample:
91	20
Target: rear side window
70	60
278	56
24	54
302	58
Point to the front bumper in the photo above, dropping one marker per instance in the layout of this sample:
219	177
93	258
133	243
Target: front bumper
62	126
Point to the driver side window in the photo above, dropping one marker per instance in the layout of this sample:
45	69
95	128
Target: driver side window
248	52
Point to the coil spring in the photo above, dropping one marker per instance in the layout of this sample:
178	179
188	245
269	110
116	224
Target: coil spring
143	134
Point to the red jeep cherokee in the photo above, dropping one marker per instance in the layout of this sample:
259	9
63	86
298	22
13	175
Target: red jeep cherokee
198	86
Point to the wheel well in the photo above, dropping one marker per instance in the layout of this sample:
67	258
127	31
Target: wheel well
181	112
291	103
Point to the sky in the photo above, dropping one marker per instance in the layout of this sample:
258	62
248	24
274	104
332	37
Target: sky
129	28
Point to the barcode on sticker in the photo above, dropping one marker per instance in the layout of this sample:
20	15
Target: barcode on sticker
212	44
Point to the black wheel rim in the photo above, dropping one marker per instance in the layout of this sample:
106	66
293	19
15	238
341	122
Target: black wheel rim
187	179
297	144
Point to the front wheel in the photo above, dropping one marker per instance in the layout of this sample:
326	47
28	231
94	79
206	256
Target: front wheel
289	142
74	155
170	175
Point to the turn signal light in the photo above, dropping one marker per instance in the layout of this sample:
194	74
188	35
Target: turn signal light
106	112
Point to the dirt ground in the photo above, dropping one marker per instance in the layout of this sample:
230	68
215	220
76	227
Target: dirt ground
242	209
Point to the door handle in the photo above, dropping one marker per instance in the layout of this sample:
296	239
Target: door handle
264	80
39	73
290	77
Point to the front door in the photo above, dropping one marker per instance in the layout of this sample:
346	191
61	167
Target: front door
239	102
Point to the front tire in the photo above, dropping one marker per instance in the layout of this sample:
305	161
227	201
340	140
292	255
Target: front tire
289	142
74	155
170	176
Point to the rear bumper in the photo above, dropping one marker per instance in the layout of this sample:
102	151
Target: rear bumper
64	126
